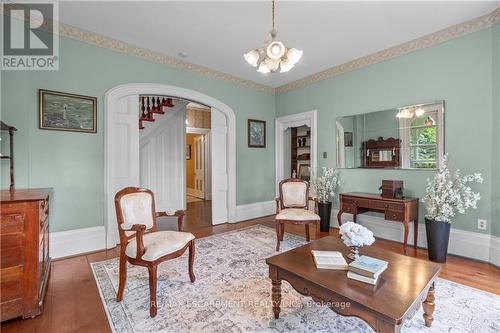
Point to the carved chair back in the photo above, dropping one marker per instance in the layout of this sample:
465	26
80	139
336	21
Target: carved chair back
133	206
294	193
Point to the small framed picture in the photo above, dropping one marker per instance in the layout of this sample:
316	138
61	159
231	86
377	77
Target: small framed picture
347	139
256	133
304	171
67	112
188	151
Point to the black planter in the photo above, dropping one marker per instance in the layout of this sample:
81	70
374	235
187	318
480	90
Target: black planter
325	210
438	235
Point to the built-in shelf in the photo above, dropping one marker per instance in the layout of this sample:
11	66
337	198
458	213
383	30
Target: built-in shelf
6	157
297	151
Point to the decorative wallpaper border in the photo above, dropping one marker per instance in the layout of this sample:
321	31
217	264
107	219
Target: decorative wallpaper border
72	32
432	39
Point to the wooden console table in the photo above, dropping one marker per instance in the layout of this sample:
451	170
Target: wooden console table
400	210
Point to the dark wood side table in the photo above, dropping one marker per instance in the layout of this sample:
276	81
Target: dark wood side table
385	307
400	210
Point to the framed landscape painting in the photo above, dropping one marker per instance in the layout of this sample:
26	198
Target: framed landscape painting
67	112
256	133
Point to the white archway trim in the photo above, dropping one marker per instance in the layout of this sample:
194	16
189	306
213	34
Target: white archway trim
112	97
308	118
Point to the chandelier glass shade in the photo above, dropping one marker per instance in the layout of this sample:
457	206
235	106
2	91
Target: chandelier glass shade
273	55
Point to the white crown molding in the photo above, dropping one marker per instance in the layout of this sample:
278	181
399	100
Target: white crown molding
432	39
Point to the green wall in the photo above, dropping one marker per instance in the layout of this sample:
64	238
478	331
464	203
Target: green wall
495	153
458	71
465	72
73	163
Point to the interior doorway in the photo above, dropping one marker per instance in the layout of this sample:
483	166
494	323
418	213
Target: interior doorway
198	166
123	160
296	146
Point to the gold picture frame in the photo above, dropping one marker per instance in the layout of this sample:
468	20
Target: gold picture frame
60	111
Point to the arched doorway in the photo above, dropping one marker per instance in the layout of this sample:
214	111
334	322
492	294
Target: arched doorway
121	149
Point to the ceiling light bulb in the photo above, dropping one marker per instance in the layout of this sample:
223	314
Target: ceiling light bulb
275	50
263	68
419	112
286	66
272	64
294	55
252	57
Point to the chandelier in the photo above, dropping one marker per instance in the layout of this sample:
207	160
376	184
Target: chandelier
273	55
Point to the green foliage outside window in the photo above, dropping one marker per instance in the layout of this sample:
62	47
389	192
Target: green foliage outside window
423	144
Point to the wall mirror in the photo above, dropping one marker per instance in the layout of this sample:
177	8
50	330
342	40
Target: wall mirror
407	137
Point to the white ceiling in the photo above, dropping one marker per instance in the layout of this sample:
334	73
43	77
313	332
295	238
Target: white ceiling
216	34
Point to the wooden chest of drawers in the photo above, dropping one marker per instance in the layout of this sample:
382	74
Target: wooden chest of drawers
24	242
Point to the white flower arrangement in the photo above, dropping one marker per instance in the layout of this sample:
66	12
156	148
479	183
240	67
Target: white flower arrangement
325	186
354	234
448	193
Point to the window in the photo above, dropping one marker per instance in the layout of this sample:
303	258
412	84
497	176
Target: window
422	139
423	142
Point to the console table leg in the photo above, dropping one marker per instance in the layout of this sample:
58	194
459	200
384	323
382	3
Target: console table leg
405	243
428	305
276	297
415	233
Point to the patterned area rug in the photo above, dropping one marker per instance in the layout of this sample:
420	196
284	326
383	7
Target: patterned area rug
232	293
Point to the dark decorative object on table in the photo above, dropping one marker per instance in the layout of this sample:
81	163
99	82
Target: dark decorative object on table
324	211
392	188
438	235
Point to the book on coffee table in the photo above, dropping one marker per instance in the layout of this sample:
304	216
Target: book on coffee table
329	260
368	266
362	278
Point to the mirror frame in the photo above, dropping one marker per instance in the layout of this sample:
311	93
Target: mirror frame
441	144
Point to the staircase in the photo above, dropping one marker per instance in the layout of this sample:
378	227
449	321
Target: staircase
151	105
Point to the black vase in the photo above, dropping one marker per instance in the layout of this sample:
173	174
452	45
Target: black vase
438	235
325	210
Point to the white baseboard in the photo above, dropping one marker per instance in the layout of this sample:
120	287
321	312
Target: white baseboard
255	210
73	242
467	244
195	193
495	251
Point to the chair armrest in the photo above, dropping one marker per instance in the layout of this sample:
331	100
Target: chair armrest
139	229
176	213
180	217
315	203
278	205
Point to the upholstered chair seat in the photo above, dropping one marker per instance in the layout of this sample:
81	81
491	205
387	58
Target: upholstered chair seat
293	206
297	214
159	244
142	244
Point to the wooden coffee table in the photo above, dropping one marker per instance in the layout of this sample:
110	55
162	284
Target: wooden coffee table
402	287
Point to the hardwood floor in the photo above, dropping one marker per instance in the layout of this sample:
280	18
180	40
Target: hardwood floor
72	302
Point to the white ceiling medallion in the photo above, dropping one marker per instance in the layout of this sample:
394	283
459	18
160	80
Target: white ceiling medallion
273	55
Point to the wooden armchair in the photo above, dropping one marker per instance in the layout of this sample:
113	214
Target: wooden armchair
140	242
292	207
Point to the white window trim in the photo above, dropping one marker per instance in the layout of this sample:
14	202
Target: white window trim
404	135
